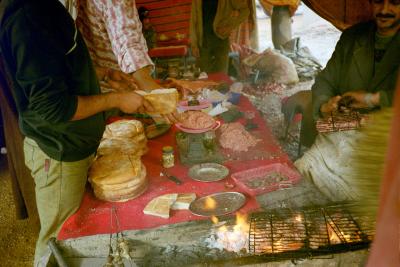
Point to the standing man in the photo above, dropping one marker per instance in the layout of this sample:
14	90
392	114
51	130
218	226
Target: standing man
113	33
364	67
60	107
211	24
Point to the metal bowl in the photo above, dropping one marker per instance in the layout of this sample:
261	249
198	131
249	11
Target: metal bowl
208	172
221	204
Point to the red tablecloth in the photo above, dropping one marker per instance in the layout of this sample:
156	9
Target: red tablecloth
93	217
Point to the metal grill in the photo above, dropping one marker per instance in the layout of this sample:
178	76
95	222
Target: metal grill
295	233
339	121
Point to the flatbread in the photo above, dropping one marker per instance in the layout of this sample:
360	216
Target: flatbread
163	101
160	206
122	188
122	146
183	201
115	168
117	197
123	129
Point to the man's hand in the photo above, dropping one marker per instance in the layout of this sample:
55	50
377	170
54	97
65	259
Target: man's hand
130	102
363	99
330	106
122	86
120	76
144	80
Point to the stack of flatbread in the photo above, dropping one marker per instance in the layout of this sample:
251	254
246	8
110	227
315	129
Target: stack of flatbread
117	174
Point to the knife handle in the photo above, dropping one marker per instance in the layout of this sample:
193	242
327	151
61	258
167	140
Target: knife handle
174	179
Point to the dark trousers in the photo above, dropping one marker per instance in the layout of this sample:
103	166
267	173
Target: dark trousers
214	54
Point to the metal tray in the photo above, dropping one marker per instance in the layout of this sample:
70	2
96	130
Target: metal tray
208	172
222	203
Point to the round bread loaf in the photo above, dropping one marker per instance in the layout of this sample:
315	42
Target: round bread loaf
123	187
123	129
122	146
115	168
118	197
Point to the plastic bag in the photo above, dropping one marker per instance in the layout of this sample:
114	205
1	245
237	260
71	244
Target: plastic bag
274	66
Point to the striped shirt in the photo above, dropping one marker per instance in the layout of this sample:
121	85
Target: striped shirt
113	34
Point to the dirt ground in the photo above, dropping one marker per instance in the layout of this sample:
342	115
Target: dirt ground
17	237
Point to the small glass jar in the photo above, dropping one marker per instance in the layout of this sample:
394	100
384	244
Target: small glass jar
168	158
209	141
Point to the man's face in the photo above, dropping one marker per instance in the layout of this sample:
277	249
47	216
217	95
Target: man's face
387	15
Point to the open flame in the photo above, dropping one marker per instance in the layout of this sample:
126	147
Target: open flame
335	239
232	238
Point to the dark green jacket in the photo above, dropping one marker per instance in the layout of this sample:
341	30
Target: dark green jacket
351	68
49	66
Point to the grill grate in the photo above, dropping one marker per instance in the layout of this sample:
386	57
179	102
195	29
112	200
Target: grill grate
316	231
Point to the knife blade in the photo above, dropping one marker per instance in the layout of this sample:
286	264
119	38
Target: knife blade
172	178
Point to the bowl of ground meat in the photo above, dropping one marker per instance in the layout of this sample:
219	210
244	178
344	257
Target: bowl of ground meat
194	121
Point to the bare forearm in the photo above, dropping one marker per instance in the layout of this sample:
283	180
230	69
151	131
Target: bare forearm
144	80
90	105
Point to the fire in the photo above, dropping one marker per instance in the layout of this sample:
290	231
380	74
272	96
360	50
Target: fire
232	238
210	203
214	220
335	239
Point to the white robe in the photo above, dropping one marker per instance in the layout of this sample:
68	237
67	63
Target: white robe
328	164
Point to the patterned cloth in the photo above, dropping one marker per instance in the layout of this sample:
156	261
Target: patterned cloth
113	34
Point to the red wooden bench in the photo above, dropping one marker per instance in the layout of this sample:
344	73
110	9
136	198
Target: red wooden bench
170	18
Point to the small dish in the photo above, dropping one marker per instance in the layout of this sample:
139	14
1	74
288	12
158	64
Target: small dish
203	130
208	172
218	204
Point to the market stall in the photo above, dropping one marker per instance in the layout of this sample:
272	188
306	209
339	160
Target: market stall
336	12
125	229
201	232
94	215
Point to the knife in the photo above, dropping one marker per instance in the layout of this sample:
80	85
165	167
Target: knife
172	178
